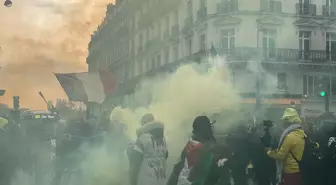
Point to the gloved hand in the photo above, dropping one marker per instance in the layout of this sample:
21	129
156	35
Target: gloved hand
221	162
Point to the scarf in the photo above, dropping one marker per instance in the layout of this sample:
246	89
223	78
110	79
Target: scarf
279	164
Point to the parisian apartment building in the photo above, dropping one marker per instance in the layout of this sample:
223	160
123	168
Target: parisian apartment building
294	41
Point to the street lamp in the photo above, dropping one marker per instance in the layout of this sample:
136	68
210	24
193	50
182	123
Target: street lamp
8	3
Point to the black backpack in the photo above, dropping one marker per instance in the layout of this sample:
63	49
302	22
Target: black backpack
311	163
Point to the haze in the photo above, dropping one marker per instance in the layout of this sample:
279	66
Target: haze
39	37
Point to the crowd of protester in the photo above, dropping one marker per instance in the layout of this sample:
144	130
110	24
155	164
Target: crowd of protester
293	152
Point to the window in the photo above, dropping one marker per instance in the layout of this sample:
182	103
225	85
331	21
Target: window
269	42
233	78
310	84
176	53
148	34
228	40
202	3
151	64
189	46
281	80
158	61
304	7
140	42
176	16
333	85
189	8
167	23
331	4
202	42
167	56
132	47
304	44
331	46
270	6
159	29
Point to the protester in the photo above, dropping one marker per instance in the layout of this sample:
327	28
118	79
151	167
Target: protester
149	154
240	153
195	164
290	149
330	157
6	162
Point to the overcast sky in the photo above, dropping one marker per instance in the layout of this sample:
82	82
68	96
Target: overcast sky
39	37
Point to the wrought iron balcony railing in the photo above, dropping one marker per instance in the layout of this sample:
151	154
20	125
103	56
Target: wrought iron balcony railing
328	11
272	6
225	7
305	9
276	54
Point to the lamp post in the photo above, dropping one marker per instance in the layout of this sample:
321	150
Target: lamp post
258	81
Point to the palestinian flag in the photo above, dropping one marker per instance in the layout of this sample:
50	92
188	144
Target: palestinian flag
88	87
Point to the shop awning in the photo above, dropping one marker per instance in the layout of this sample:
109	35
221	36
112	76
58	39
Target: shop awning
280	101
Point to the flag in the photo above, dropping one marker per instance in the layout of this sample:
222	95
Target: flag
2	92
88	87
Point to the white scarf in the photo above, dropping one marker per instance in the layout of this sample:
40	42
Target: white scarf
279	163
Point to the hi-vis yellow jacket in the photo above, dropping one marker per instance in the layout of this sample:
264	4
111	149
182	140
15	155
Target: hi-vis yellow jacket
294	143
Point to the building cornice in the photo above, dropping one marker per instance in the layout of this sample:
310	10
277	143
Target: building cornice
306	23
227	21
270	20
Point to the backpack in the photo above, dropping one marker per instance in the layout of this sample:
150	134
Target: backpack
311	162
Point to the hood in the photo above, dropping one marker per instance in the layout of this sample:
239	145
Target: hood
155	128
299	132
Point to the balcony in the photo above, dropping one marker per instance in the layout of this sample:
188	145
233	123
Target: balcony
275	54
328	11
201	13
305	9
188	22
227	7
272	7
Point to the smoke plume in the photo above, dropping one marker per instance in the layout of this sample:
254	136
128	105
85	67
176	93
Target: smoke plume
176	99
40	37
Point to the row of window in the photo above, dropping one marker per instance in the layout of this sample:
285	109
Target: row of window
136	45
310	85
304	7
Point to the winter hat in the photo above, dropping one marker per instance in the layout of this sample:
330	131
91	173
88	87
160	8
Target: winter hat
291	116
3	122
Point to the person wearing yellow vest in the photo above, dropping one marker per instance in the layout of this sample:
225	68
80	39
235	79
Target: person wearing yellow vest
290	148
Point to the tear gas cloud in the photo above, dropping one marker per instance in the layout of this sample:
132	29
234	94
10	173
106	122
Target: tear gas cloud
176	99
192	90
39	37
